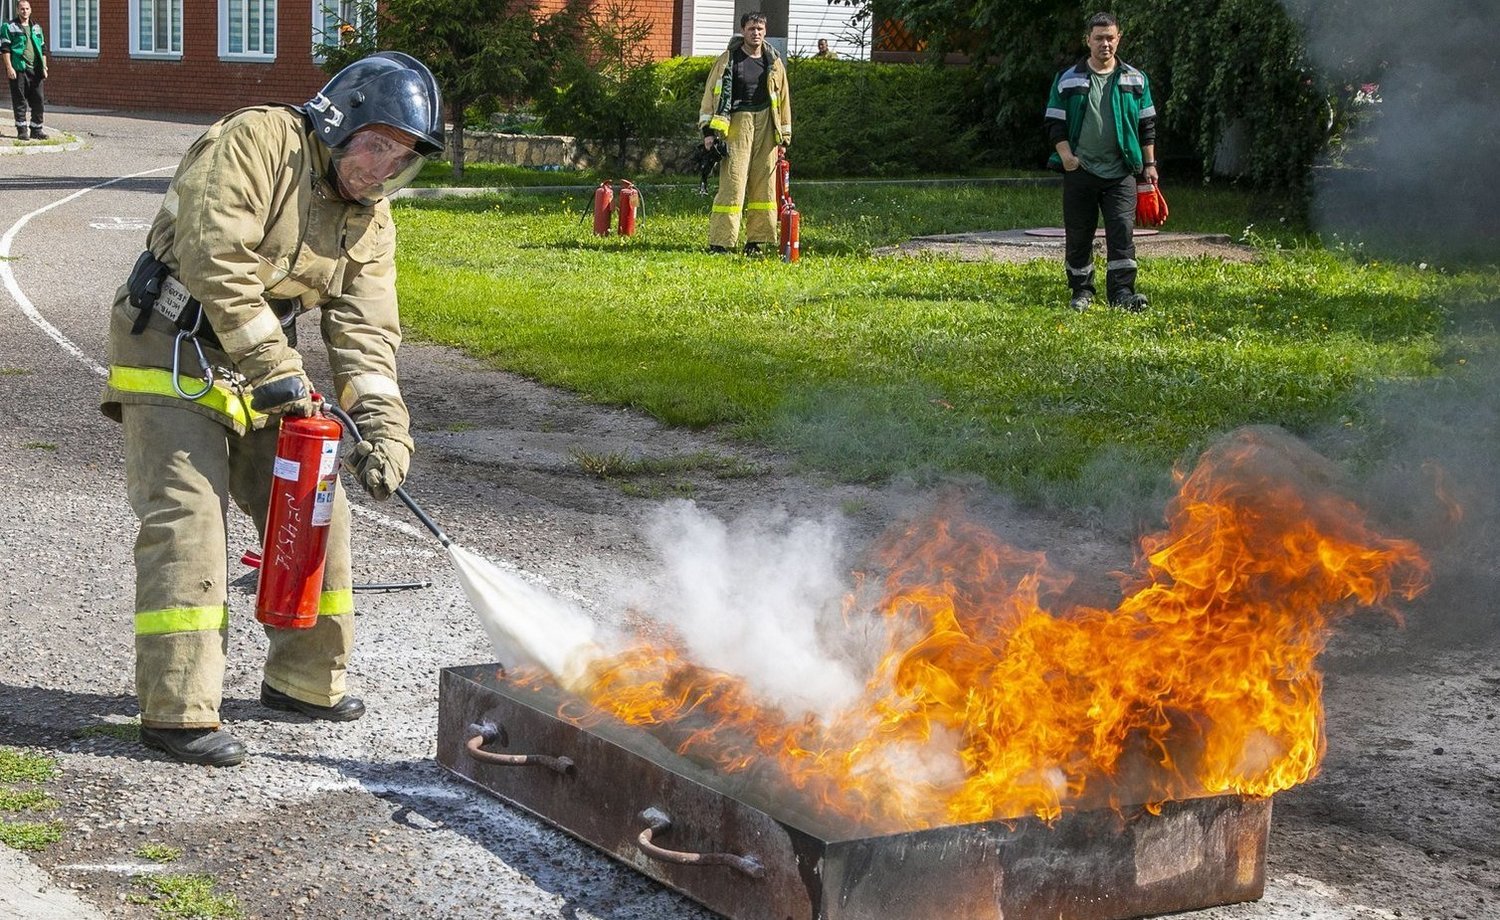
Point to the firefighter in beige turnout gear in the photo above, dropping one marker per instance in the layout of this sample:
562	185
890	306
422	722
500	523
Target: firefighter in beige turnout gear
274	211
747	102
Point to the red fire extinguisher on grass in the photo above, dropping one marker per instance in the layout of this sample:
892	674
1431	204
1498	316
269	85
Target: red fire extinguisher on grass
604	197
304	482
629	206
789	229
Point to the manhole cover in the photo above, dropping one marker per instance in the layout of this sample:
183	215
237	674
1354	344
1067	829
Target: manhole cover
1059	233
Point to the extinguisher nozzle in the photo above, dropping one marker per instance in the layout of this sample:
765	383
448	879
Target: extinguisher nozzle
427	522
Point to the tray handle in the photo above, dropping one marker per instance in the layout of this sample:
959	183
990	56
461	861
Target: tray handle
657	820
482	733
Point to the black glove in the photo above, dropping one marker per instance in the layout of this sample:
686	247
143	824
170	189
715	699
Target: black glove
290	395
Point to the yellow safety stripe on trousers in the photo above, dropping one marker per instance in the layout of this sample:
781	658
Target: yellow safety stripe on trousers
158	382
181	619
336	603
726	209
760	206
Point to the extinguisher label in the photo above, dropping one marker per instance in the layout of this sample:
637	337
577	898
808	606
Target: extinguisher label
329	461
287	469
323	503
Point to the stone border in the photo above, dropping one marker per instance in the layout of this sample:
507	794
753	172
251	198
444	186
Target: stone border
14	147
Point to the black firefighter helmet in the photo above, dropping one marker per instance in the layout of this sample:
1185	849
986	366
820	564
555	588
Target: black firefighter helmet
390	89
387	88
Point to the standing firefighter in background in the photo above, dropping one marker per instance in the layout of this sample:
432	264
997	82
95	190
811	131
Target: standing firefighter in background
746	101
274	211
25	51
1101	124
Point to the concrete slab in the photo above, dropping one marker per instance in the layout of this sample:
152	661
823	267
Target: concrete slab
28	893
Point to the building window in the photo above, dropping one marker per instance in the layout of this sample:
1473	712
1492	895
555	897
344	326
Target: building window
247	29
156	26
75	26
339	22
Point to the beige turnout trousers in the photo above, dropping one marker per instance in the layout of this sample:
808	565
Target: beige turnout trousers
747	180
181	469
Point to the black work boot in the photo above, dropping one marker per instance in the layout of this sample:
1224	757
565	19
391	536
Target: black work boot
752	249
208	746
345	710
37	134
1131	301
22	133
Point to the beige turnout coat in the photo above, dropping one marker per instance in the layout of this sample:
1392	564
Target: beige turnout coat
713	109
250	218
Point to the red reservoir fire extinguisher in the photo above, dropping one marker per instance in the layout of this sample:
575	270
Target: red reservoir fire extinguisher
304	482
604	197
629	205
789	229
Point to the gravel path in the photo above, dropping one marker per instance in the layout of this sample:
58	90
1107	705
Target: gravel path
356	820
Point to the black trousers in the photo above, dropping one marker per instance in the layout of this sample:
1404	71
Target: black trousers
26	90
1085	197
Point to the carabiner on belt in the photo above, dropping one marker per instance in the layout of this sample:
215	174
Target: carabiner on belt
208	372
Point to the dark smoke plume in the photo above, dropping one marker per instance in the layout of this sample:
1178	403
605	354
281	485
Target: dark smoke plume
1417	171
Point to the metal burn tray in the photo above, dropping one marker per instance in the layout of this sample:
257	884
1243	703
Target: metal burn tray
722	843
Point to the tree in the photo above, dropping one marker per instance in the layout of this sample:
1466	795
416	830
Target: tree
479	51
608	90
1213	64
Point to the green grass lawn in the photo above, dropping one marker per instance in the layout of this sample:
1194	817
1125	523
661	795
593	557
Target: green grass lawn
868	366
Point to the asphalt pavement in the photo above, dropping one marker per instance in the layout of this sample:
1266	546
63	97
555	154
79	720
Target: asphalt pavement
356	819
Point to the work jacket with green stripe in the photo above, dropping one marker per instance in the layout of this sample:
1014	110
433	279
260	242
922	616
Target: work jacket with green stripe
13	39
1129	98
251	217
718	91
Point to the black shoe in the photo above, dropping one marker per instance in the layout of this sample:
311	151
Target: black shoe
208	746
345	710
716	250
37	134
22	133
1134	303
751	249
1080	302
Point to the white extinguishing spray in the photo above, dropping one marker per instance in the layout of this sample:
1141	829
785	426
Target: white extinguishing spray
519	618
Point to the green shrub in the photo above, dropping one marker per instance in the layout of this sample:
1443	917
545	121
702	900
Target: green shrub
856	118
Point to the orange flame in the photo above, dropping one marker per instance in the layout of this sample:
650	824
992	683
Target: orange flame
1202	681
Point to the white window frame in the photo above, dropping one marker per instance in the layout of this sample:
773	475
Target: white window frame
261	56
55	46
325	11
168	54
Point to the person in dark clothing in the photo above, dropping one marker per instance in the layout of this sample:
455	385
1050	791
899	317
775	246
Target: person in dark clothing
1101	124
24	48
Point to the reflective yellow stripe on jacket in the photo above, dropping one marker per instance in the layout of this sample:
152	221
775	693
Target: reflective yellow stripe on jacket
336	603
181	619
158	382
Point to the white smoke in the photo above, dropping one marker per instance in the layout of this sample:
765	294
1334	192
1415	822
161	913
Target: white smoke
750	599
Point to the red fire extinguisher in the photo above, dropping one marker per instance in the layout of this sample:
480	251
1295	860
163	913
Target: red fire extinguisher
783	176
604	197
304	481
791	231
629	205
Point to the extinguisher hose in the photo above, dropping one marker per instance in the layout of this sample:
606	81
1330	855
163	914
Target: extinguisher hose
399	492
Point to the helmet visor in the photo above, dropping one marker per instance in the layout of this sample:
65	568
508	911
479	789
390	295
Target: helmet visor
371	166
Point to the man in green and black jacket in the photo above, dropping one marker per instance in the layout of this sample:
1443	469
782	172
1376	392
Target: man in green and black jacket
24	48
1101	124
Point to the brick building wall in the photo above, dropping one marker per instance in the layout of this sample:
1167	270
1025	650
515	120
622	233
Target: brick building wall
663	15
200	82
